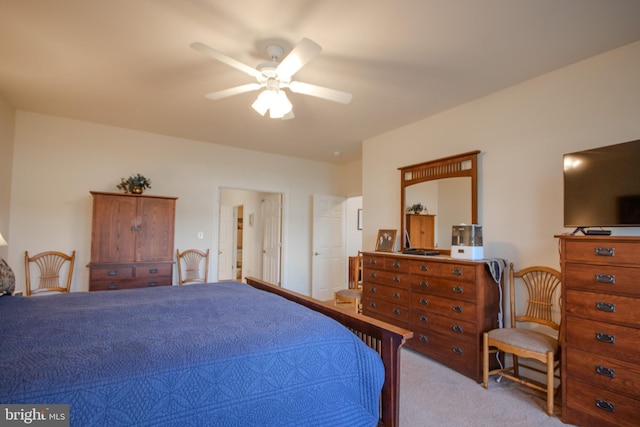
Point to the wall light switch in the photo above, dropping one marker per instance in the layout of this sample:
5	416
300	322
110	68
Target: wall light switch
200	235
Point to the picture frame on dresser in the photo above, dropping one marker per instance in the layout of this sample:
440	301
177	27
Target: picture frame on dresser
386	240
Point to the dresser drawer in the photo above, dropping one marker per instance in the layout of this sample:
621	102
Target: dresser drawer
460	355
387	293
444	287
425	267
111	273
397	279
603	307
400	265
424	320
604	372
619	342
108	285
603	278
609	251
458	272
373	261
463	310
388	309
600	404
147	271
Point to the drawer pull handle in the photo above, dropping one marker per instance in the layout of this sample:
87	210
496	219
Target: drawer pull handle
458	289
424	301
605	251
373	261
396	279
605	406
396	295
372	304
373	275
457	308
152	284
457	272
153	271
606	278
424	338
113	273
457	328
424	267
424	283
604	371
606	307
396	264
424	319
133	229
605	338
112	286
396	311
457	350
373	290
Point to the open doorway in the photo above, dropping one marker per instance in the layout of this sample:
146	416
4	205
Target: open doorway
250	235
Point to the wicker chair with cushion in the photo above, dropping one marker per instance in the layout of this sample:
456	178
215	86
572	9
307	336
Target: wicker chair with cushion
352	295
55	269
193	266
542	286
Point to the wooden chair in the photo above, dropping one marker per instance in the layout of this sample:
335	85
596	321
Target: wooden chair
193	266
542	285
352	295
52	266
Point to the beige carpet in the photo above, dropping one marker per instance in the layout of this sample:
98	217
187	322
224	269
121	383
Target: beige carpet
433	395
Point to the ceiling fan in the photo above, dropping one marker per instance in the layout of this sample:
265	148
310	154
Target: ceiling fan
275	76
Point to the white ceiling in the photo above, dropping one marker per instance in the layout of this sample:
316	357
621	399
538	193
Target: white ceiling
128	63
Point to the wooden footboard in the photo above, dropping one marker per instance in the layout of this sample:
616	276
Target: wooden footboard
383	337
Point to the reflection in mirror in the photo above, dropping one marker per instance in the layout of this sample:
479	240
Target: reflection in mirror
448	200
447	189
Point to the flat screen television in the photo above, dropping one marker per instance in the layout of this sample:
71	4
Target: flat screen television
602	187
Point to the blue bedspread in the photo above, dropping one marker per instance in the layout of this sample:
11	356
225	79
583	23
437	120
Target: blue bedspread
222	354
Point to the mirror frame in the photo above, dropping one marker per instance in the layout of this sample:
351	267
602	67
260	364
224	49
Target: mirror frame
446	167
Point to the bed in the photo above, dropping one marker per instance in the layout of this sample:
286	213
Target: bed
207	354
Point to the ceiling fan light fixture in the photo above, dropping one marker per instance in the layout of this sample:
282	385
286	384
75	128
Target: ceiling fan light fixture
280	105
263	102
275	101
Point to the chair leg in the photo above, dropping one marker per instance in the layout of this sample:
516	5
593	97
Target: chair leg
550	379
485	360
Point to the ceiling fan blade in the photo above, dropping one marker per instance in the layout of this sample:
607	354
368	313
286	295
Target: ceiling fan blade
321	92
206	50
304	52
233	91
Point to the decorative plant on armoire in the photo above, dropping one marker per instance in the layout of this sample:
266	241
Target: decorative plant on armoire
416	208
135	184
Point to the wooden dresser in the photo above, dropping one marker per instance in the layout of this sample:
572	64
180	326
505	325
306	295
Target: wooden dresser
131	241
601	330
447	303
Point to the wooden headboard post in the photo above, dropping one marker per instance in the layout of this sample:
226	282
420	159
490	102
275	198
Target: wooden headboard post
384	338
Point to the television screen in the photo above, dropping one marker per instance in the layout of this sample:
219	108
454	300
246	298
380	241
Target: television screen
602	186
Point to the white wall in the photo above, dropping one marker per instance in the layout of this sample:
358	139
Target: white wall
7	118
58	161
522	131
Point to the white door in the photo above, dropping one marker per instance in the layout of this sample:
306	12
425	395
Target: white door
328	265
225	244
272	238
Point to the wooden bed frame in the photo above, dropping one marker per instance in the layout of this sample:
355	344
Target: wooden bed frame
384	338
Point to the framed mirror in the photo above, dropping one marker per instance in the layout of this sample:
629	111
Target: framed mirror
436	195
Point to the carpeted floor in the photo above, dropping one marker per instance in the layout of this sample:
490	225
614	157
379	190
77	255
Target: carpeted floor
433	395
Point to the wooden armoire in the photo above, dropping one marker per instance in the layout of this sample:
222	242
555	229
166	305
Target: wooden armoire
131	241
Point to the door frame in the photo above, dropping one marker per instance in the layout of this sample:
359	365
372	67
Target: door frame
234	196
